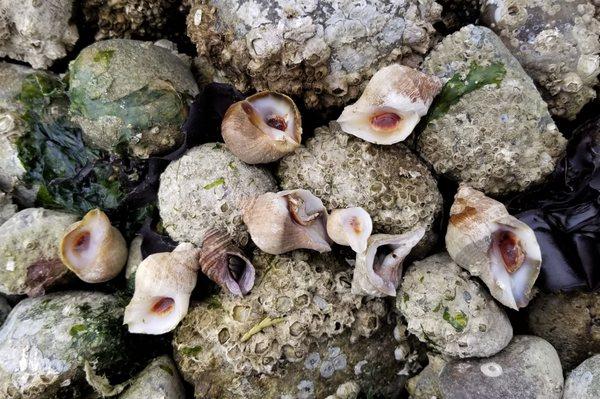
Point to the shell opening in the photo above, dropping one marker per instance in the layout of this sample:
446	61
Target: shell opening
82	245
236	267
277	122
299	212
385	121
163	305
273	114
350	226
386	262
510	249
82	242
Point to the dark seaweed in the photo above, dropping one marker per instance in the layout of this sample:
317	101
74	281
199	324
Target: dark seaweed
565	215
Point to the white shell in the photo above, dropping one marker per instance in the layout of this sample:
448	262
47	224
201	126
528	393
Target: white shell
474	219
350	226
395	89
384	281
162	275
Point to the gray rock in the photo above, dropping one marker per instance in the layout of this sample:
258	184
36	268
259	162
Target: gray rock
4	310
37	32
159	380
451	312
570	322
584	381
7	208
498	138
322	50
132	92
527	368
29	250
557	42
46	342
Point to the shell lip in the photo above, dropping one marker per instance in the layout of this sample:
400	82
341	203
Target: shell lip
358	123
141	316
242	284
311	215
262	115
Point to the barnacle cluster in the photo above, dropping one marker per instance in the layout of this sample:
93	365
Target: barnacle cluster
323	51
206	189
389	182
506	146
300	322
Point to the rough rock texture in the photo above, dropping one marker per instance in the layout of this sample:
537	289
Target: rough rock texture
584	381
426	383
570	322
451	312
206	189
557	42
4	310
134	259
7	208
128	18
300	333
527	368
458	13
12	127
497	138
131	92
37	32
46	341
322	50
389	182
29	250
159	380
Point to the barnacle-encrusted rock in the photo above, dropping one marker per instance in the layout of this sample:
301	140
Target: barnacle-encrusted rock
322	50
300	332
159	380
7	208
4	310
389	182
206	189
557	42
46	341
131	92
499	136
136	19
584	381
527	368
570	322
29	250
37	32
451	312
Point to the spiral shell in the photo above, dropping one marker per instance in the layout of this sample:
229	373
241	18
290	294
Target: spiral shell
350	226
485	239
226	264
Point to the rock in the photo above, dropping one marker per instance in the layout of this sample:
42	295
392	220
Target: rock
324	51
46	342
558	44
300	333
7	208
584	381
490	127
205	189
130	92
389	182
37	32
29	251
451	312
4	310
426	383
527	368
570	322
159	380
134	259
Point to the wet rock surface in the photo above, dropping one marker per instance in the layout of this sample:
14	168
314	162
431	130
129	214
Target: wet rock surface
159	380
584	381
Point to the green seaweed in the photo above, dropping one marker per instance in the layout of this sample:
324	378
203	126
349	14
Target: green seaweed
458	321
218	182
76	329
104	57
191	350
166	368
459	85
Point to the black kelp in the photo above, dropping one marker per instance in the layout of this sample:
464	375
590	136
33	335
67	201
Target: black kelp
565	215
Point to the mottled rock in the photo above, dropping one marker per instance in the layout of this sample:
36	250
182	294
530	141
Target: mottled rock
584	381
426	383
159	380
7	208
29	251
570	322
37	32
46	341
205	189
322	50
557	42
527	368
130	92
389	182
300	333
498	137
451	312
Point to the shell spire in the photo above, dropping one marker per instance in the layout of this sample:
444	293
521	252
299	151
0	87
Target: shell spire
225	264
391	105
163	285
377	270
485	239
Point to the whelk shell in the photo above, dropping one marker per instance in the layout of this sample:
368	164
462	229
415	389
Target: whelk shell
350	226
